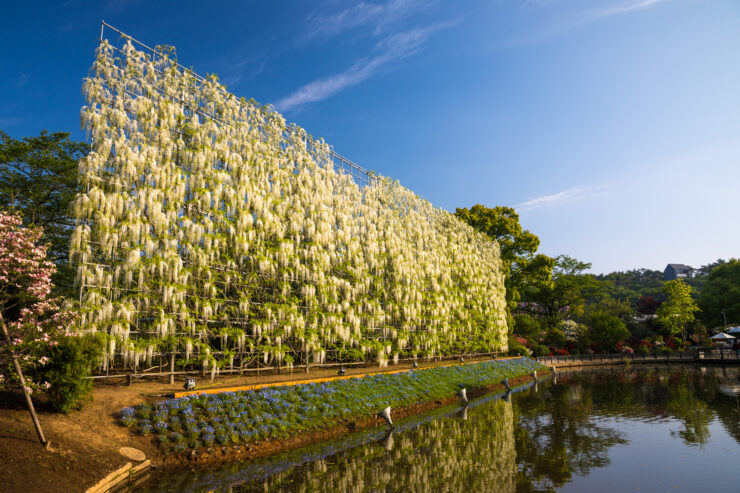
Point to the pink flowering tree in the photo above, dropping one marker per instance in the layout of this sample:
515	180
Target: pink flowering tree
34	322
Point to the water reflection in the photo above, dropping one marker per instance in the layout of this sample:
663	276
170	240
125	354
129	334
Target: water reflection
569	429
556	434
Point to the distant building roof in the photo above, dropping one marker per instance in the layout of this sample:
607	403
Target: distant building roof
675	271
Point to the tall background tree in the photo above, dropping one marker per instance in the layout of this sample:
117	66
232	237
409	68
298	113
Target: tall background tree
564	296
518	246
679	309
721	291
38	180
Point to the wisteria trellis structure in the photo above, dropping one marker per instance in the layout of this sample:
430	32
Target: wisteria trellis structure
211	228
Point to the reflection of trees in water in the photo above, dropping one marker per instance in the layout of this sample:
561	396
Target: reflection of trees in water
725	399
557	436
560	432
695	414
449	454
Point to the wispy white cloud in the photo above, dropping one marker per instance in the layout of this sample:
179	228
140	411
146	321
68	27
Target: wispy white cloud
22	80
578	18
9	121
569	195
376	15
118	6
390	49
623	8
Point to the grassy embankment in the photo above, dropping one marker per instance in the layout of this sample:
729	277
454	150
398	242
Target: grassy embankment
231	418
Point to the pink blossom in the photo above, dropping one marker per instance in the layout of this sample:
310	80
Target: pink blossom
25	283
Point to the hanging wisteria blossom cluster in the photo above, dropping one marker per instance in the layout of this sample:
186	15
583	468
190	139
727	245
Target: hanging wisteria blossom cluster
212	228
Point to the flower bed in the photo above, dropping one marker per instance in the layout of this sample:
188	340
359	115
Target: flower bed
279	412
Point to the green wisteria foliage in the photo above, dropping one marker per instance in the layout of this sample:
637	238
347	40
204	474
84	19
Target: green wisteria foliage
212	228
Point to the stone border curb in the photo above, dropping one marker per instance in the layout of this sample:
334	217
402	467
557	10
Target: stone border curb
125	474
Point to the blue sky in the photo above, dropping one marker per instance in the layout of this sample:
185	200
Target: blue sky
612	126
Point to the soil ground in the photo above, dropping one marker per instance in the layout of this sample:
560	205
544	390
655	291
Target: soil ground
84	444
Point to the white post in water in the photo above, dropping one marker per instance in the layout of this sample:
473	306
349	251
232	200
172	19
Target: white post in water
386	415
534	375
463	395
388	441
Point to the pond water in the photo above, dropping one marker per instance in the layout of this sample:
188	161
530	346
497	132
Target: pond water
658	429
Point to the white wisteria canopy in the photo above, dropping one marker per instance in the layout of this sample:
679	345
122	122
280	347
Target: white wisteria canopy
211	228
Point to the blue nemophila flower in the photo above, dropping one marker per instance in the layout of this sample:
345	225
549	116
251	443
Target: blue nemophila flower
145	427
282	411
128	416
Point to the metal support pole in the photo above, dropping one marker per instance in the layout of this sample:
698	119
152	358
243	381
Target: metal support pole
172	368
29	402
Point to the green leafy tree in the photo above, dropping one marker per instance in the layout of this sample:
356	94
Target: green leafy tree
612	306
721	291
523	266
38	179
569	266
555	338
632	284
566	294
526	326
700	275
607	330
674	314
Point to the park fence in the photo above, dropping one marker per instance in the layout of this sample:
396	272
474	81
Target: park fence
693	356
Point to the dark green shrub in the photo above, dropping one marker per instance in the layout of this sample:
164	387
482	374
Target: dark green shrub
526	326
607	330
69	364
517	349
555	338
540	350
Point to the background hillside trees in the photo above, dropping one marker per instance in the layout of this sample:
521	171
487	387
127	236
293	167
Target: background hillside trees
631	310
721	291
